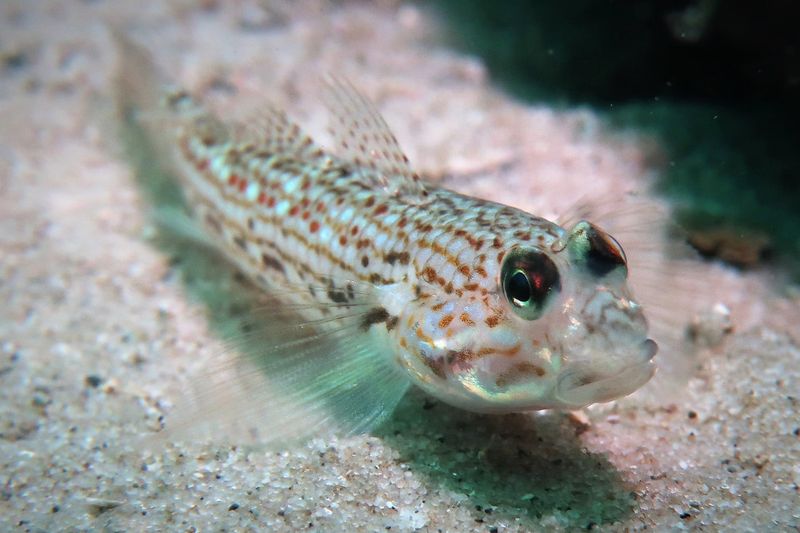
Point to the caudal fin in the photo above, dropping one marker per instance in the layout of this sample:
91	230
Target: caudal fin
139	87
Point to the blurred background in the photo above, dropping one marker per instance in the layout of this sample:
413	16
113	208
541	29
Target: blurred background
714	82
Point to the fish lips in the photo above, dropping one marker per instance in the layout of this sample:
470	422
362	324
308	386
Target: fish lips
585	385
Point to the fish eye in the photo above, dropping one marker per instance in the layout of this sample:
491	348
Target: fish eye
530	279
597	251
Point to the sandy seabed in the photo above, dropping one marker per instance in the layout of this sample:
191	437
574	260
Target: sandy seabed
98	334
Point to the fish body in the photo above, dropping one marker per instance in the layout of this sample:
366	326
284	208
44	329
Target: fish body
482	305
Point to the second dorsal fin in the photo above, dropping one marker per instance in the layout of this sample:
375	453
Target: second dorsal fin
364	139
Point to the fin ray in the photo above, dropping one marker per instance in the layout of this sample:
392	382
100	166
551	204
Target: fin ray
664	275
271	129
365	140
288	378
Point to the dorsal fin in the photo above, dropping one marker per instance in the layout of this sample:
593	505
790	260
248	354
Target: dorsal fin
271	129
364	139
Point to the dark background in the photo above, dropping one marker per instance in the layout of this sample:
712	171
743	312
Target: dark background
716	82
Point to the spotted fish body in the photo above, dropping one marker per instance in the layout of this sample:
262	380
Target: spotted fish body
434	282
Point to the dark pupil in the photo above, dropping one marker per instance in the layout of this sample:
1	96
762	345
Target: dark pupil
530	278
519	288
602	257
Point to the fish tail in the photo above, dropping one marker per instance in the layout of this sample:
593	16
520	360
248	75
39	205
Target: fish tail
147	100
139	90
139	86
151	111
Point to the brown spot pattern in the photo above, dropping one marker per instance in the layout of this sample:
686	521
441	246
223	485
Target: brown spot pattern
274	247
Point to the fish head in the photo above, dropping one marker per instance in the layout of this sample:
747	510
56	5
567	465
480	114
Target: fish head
559	328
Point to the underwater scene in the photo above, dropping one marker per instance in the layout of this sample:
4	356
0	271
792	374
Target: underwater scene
352	265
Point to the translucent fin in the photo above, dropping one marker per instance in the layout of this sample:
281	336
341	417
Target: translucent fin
364	139
665	277
271	130
178	223
138	83
152	109
293	371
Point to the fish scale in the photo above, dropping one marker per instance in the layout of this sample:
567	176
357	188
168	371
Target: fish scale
480	304
357	231
323	210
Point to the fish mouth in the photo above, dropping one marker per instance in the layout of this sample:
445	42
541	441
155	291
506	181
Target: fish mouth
582	386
